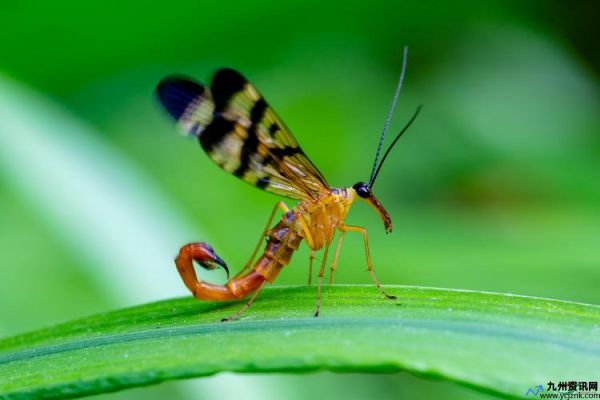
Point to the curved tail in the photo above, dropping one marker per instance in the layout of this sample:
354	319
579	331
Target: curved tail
201	252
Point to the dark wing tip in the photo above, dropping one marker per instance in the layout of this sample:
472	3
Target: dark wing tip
176	93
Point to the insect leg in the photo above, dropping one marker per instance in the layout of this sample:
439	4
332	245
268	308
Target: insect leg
281	205
363	232
246	306
335	257
311	258
321	271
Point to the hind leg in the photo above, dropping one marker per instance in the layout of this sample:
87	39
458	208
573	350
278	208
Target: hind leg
281	205
246	306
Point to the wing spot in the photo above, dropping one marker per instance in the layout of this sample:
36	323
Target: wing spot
214	133
286	151
251	143
263	182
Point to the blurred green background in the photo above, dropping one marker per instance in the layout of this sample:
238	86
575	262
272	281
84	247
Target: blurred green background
496	187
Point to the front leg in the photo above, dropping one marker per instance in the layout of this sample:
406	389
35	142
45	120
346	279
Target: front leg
363	232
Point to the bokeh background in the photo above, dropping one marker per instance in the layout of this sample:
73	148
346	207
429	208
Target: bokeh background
496	187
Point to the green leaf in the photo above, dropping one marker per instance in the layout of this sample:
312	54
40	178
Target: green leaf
502	344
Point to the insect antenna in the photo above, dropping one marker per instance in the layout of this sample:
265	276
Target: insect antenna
389	116
408	124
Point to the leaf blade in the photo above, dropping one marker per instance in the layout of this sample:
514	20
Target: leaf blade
501	344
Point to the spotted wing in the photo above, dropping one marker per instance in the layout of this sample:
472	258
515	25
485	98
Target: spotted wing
241	133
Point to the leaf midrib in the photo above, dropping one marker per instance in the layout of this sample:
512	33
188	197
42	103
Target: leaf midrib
456	326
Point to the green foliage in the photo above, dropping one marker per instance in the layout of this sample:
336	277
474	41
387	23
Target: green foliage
502	344
494	188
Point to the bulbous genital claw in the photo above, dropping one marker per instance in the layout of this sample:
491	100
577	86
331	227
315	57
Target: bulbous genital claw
235	289
220	262
207	258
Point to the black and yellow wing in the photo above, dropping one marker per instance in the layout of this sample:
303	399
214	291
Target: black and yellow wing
241	133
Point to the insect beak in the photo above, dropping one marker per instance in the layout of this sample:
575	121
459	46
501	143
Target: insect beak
383	214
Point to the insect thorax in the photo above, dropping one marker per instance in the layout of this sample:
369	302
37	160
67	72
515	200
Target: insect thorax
323	216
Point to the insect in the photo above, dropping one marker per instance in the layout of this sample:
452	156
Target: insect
242	134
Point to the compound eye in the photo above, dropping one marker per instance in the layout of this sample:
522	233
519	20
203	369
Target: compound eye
362	190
